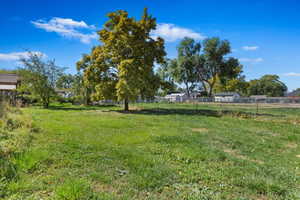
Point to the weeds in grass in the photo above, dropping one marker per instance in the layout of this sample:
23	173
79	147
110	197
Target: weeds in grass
79	189
15	137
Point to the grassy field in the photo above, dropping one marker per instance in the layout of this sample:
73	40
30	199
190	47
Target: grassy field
160	151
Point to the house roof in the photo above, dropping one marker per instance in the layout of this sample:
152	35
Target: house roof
175	94
9	78
227	94
258	96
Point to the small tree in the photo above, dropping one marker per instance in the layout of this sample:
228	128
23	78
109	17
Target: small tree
39	77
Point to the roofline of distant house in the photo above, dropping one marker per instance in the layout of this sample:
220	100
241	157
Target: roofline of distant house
9	74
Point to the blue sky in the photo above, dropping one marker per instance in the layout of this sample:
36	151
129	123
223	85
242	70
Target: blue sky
264	34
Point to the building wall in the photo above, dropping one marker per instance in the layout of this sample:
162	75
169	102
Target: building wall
7	87
225	99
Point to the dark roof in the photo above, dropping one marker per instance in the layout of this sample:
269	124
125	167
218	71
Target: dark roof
227	94
295	93
9	78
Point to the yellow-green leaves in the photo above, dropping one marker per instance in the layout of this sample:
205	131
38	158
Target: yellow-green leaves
122	67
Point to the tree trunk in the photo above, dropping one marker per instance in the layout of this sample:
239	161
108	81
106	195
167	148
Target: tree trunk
46	105
205	88
45	102
211	86
187	89
210	91
126	107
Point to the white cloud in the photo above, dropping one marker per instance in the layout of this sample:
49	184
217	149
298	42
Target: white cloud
17	55
68	28
250	48
171	32
70	22
252	60
292	74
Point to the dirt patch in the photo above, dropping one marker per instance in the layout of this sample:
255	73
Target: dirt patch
291	145
260	198
101	187
200	130
135	108
298	156
236	154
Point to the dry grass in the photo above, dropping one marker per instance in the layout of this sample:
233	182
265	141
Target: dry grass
236	154
200	130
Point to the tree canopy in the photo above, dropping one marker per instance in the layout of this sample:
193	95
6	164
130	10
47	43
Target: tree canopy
195	67
269	85
183	67
121	68
213	64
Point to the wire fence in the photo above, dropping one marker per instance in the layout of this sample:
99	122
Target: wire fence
245	100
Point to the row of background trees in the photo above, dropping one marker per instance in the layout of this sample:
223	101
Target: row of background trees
212	70
122	68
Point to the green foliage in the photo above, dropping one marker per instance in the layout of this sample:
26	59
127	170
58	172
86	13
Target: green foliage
269	85
214	64
74	189
167	74
239	85
65	81
184	70
78	91
205	69
39	77
122	67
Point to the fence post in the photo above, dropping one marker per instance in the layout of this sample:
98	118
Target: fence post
256	107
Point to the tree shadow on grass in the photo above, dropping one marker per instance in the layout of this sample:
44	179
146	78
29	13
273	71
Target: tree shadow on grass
195	112
79	108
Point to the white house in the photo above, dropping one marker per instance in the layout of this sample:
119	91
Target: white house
258	97
226	97
176	97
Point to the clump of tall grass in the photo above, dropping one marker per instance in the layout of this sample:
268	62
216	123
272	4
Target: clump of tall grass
15	135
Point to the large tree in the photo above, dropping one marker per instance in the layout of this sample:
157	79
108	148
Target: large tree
39	77
121	67
183	67
269	85
213	64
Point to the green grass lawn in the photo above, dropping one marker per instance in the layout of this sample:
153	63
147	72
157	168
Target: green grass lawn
160	151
